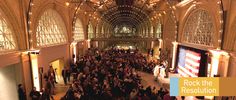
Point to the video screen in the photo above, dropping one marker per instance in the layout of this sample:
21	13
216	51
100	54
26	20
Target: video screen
188	63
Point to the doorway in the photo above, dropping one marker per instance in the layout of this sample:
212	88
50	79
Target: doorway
58	65
10	77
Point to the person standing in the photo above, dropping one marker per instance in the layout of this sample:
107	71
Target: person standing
68	74
49	88
70	94
21	92
64	74
52	72
45	95
35	95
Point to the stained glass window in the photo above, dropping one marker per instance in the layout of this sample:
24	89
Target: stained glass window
199	28
7	41
78	31
51	29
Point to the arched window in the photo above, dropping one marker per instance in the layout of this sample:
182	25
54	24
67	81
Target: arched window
102	31
7	41
78	31
158	30
51	29
90	31
151	31
144	32
97	31
199	28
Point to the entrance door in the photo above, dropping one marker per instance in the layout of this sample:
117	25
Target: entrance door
58	65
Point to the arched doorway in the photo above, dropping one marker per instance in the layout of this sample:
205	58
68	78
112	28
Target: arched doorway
58	66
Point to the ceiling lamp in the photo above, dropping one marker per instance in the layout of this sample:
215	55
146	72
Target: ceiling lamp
67	3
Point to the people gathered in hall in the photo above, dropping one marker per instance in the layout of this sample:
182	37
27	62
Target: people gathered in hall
66	75
49	87
34	94
112	75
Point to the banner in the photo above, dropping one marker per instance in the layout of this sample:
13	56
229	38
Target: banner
202	86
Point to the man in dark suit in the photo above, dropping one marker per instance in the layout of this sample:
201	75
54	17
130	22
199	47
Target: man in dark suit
35	95
21	92
64	75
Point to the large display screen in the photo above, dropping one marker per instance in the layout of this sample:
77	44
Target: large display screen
188	62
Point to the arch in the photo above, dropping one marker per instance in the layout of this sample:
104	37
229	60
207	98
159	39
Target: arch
51	29
78	31
198	28
7	36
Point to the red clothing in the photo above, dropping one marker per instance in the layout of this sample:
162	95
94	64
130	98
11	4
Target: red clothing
167	97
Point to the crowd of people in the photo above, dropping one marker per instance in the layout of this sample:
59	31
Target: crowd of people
112	75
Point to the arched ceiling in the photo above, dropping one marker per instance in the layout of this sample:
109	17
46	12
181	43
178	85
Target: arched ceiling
130	12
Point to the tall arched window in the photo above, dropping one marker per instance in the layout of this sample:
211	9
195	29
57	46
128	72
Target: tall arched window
147	31
78	31
158	29
151	31
96	31
199	28
51	29
7	41
90	31
102	31
144	32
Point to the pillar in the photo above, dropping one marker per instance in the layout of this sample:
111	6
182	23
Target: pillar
219	63
175	45
74	50
35	69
